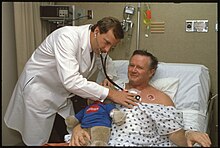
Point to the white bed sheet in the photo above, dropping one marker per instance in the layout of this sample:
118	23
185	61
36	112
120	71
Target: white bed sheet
192	94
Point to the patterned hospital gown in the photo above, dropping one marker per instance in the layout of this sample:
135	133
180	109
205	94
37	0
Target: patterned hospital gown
146	125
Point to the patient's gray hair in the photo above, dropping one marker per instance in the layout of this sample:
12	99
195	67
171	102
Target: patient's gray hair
154	61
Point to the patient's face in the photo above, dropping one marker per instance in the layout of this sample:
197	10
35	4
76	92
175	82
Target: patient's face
138	70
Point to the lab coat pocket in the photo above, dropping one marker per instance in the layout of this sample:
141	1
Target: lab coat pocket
28	82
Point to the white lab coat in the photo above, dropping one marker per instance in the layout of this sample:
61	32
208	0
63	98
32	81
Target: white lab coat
57	68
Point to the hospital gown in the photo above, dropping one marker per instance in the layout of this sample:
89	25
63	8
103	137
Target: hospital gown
146	125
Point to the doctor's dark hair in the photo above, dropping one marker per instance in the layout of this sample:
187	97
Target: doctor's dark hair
108	23
154	61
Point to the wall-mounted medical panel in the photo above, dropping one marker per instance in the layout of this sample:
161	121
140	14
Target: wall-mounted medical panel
196	25
56	12
64	14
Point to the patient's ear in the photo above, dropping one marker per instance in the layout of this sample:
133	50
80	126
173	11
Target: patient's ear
152	72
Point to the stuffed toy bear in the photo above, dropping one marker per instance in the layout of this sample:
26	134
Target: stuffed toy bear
96	119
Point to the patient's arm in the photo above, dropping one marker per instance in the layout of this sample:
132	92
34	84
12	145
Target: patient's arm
78	136
190	138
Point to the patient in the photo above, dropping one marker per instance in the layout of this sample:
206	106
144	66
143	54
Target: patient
155	121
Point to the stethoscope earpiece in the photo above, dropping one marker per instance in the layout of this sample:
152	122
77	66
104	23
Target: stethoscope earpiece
96	34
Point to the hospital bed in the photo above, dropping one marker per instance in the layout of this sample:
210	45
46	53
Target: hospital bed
192	94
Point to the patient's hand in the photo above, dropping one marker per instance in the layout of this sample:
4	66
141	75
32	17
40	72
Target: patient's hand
107	83
197	137
79	137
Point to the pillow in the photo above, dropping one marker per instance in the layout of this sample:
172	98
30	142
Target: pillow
166	85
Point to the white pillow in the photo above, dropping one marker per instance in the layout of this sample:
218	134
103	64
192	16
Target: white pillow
166	85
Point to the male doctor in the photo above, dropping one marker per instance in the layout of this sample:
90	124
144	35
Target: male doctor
59	67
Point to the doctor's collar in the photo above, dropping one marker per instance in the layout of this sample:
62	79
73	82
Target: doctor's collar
90	27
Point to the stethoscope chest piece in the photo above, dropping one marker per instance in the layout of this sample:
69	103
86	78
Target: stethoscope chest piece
137	92
138	97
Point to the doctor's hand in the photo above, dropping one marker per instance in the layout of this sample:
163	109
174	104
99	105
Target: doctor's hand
123	97
193	137
79	137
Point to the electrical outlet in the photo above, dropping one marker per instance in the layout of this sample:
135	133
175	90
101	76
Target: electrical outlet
196	25
63	13
90	14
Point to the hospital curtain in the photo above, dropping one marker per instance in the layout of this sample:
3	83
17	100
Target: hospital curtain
30	31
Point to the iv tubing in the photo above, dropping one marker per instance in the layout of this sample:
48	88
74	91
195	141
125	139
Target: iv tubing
138	26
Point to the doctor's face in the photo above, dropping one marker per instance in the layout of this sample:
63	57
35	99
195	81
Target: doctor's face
105	41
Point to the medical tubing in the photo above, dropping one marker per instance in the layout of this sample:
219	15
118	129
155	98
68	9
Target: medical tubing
138	26
104	69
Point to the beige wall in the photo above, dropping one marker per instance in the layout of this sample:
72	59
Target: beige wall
175	45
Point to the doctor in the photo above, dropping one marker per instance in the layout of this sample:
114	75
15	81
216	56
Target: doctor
59	67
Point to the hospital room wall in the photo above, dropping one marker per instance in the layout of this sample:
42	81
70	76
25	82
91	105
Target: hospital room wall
175	44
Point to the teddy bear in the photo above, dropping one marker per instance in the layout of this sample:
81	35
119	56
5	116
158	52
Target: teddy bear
96	119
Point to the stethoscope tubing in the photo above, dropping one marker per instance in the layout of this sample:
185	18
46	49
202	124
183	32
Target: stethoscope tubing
104	69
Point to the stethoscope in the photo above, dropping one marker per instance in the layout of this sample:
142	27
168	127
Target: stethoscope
103	61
